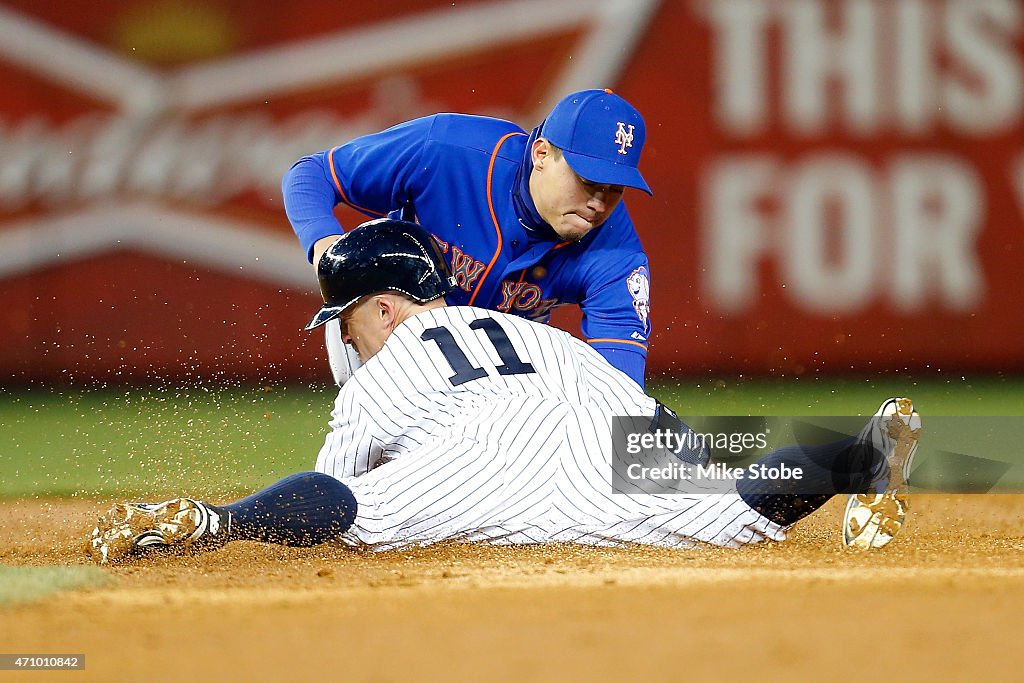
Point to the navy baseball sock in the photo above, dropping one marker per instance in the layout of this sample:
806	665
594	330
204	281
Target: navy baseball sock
303	509
846	466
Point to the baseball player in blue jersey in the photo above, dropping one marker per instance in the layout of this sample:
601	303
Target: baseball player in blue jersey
475	425
527	222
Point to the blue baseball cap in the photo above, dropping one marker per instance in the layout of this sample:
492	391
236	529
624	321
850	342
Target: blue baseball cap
601	136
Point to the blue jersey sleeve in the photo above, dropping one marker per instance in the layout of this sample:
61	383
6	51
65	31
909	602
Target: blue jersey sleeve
616	312
374	174
627	360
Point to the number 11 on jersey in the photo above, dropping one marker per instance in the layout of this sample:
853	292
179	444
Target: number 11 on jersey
465	371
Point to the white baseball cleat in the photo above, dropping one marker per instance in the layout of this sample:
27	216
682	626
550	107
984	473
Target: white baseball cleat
130	528
872	519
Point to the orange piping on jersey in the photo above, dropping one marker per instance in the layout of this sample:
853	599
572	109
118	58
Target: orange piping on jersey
337	184
494	219
618	341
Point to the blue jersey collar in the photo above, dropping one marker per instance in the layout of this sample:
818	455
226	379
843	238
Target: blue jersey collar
536	229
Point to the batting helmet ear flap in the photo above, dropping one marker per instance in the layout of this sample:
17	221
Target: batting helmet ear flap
379	256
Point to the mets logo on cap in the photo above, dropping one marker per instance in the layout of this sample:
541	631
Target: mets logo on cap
623	137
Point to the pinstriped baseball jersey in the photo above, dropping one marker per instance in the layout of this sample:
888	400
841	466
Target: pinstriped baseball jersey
475	425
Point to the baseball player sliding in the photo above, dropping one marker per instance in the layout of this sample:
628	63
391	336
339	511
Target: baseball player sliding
475	425
527	222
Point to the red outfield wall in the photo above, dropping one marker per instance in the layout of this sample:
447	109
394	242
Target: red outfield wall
839	186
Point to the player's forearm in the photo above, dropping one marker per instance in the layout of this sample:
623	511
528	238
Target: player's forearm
309	200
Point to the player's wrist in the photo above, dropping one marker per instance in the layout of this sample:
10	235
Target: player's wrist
321	245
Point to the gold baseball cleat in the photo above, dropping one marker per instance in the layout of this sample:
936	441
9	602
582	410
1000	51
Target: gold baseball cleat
129	529
872	519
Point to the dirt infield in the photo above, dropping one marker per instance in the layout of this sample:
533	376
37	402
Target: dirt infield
942	602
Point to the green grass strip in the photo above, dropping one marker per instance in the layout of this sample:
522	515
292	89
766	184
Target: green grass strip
212	442
25	584
219	442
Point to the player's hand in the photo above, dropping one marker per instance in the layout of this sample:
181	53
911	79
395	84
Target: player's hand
320	246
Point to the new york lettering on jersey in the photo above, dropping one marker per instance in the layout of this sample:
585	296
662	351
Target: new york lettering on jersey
523	295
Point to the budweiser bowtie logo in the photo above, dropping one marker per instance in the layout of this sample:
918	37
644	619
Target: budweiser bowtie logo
151	142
